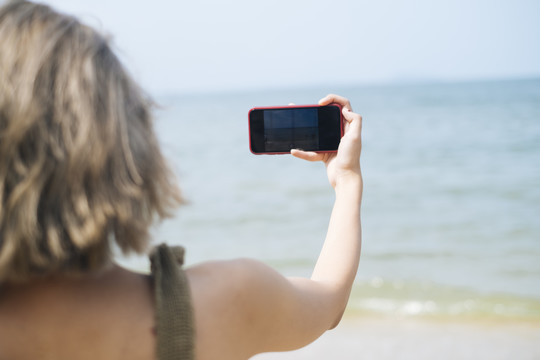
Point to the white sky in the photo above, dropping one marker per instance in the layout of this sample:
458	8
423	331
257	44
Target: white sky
215	45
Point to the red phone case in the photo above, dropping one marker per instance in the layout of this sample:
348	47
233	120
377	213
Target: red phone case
290	107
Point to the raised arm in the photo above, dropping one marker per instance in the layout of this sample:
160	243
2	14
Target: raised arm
244	307
339	257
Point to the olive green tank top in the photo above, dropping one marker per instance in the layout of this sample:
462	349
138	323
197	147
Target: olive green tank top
174	313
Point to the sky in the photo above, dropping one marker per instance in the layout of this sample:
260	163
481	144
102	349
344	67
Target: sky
211	45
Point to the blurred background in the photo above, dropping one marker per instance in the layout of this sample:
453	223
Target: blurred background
450	95
212	45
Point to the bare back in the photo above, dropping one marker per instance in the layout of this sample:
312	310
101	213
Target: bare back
109	316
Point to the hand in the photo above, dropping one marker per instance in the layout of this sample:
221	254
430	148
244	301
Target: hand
346	162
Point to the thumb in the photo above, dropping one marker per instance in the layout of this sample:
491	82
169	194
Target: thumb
306	155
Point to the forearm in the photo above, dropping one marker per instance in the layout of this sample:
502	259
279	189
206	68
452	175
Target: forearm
338	261
333	276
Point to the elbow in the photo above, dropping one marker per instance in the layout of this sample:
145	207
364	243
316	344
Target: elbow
334	309
337	320
340	308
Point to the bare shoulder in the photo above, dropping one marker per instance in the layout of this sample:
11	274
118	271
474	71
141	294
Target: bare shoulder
244	307
234	284
223	296
231	274
225	290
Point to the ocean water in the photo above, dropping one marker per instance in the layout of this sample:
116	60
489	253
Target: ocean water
451	209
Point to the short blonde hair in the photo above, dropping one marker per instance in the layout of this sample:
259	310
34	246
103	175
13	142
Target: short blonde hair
80	164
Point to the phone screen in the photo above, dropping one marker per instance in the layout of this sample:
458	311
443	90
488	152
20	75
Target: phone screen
280	129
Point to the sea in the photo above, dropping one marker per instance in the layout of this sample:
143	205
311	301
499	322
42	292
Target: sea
451	206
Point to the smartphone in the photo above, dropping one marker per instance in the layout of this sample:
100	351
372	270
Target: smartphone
277	130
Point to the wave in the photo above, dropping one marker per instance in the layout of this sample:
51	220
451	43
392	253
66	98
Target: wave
377	296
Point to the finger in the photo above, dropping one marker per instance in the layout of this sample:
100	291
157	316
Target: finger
306	155
352	119
332	98
349	116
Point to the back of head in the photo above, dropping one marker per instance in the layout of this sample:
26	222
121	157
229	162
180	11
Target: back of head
79	161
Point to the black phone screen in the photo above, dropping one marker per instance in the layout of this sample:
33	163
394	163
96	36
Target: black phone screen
310	128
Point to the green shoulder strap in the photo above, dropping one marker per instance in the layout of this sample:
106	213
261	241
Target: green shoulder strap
174	314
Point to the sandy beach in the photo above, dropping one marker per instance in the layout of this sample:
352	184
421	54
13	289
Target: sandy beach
405	338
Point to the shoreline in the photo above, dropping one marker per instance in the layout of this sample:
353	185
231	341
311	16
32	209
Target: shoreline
385	338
